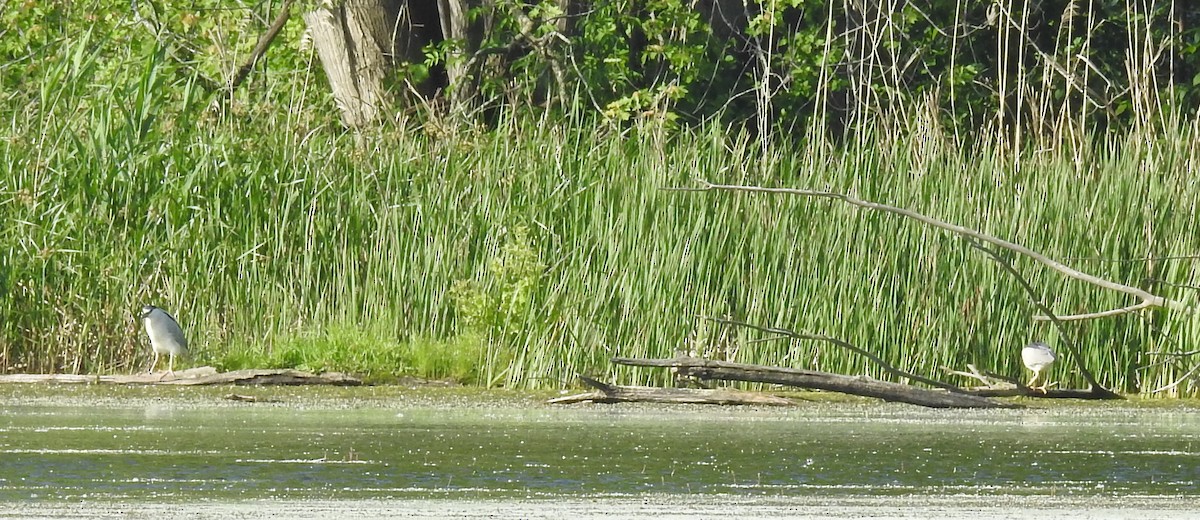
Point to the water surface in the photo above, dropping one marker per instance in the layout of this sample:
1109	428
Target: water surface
68	445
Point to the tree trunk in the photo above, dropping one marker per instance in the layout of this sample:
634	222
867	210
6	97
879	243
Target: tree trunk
360	43
463	74
357	50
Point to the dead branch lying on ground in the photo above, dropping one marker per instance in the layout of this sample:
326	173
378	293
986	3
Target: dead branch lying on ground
606	393
1147	299
193	377
844	344
861	385
996	385
990	380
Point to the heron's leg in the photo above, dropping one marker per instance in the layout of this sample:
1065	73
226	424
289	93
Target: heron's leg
170	367
153	363
1041	383
1037	374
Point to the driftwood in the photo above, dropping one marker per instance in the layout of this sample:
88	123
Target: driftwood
195	376
863	386
995	385
844	344
606	393
1050	393
241	398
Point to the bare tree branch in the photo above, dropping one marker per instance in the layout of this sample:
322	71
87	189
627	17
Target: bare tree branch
1177	381
987	378
840	343
854	385
1067	342
1176	285
263	43
1100	314
1163	258
1174	354
1148	299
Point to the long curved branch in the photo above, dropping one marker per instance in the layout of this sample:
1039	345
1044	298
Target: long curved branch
1097	388
1147	299
1177	381
1144	304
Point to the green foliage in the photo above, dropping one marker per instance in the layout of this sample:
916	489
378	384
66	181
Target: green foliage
536	250
648	105
373	356
337	348
527	255
1031	69
498	307
459	358
500	303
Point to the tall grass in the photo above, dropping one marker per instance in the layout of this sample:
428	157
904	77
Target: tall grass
525	254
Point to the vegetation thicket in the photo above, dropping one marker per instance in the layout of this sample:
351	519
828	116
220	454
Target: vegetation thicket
522	245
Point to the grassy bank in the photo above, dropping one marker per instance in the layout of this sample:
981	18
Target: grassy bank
525	254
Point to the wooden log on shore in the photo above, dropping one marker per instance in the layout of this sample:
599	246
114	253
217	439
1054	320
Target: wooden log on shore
860	385
242	398
996	385
194	376
1050	393
606	393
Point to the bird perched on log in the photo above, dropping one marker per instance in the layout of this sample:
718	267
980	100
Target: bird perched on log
165	336
1037	356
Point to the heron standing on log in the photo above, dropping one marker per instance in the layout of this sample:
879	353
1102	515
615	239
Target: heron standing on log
1037	356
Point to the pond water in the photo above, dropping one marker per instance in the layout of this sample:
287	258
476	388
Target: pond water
61	446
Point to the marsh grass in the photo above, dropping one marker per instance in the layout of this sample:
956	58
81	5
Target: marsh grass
534	251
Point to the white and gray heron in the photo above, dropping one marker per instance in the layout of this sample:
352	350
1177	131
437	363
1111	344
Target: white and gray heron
165	336
1037	356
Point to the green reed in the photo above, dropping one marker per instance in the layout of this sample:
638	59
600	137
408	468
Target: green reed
528	253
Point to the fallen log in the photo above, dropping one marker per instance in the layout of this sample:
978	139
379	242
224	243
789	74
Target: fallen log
861	385
996	385
1051	393
270	377
606	393
241	398
194	376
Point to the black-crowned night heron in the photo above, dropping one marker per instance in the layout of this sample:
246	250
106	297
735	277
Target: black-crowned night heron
1037	356
165	336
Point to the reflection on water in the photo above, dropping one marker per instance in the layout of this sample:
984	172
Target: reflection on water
162	450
